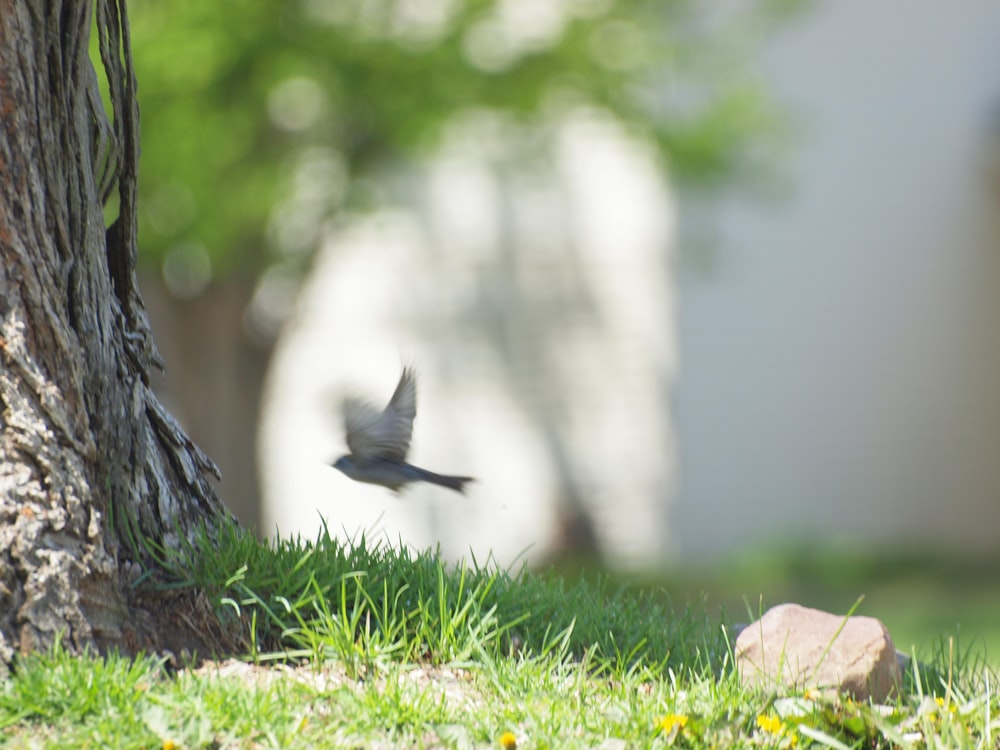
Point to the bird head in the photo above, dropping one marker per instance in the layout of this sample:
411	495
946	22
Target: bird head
347	465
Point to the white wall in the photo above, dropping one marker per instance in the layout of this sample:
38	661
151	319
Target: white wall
536	306
840	363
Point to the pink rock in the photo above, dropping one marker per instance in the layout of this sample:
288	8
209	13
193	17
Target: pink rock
799	648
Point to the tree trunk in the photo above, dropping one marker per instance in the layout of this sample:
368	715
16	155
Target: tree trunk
214	380
89	459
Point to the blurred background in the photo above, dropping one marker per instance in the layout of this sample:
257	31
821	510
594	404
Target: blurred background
707	294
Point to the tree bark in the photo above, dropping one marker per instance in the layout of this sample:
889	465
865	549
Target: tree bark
214	380
90	461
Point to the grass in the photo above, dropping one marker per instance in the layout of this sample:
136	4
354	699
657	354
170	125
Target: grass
924	600
368	646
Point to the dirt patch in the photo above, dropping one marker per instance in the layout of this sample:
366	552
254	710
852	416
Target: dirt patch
181	625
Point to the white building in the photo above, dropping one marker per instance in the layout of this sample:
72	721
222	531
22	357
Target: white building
840	365
834	374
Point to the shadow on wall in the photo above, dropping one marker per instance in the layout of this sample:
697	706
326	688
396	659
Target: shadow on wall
536	304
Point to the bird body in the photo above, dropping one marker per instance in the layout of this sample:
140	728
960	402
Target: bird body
395	475
379	441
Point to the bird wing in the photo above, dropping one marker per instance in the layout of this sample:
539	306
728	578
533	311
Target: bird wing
385	434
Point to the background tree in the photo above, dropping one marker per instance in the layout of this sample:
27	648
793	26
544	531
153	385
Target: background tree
90	461
255	133
93	466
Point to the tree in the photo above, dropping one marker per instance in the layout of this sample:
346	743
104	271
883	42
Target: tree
302	108
94	471
90	461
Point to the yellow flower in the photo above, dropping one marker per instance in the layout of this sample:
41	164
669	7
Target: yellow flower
169	745
508	741
770	724
941	704
668	722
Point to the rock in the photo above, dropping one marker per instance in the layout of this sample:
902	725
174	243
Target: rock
800	648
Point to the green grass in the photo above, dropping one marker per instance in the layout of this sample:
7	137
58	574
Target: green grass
923	599
368	646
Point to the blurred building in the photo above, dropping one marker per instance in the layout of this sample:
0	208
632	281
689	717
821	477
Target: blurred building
833	372
840	362
536	304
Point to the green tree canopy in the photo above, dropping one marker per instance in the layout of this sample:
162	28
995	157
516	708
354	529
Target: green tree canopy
237	97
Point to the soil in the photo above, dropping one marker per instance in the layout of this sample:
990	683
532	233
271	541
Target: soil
182	626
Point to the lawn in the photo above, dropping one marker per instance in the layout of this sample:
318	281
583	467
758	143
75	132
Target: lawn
366	646
928	602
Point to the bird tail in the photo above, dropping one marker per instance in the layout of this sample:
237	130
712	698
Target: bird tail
451	482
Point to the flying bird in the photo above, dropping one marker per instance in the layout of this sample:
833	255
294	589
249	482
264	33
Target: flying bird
379	440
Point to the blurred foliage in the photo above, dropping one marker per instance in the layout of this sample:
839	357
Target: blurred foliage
260	120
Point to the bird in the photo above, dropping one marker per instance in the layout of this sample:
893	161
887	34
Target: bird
378	442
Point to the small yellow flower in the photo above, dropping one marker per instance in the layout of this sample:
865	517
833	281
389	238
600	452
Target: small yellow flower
770	724
508	741
169	745
668	722
942	704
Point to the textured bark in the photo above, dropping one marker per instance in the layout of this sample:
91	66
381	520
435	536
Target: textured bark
214	380
89	459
